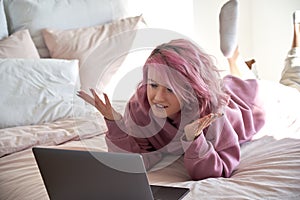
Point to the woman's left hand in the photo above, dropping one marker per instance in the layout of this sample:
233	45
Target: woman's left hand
194	129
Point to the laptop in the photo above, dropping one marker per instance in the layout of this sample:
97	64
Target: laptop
76	174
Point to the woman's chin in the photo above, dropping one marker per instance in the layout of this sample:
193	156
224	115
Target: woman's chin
159	114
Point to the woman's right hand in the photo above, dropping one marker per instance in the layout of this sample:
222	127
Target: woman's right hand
104	108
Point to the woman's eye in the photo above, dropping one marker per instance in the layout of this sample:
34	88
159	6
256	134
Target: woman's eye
170	90
153	85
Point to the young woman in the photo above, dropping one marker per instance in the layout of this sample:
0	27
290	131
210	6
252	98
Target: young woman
183	107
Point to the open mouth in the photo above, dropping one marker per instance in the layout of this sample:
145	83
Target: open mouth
160	107
159	110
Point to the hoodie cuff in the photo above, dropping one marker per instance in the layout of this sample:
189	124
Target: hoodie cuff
197	148
116	129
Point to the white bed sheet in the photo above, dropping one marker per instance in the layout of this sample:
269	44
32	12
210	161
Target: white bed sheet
269	167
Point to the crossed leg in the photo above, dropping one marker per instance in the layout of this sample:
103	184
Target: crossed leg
296	20
228	19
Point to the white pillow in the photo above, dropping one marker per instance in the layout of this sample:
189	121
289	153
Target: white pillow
62	14
35	91
3	23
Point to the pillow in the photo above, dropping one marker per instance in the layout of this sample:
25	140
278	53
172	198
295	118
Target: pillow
95	47
62	14
18	45
35	91
3	23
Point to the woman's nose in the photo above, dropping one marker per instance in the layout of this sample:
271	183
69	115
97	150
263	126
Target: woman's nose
160	94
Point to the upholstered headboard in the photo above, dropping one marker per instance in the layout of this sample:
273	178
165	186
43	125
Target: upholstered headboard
35	15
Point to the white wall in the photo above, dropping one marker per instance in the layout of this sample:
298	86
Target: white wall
265	31
175	15
265	27
272	32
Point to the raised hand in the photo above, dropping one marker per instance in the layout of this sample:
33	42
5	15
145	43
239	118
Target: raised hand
194	129
104	108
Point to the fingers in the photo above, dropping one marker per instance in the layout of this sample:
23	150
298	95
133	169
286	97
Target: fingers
99	103
217	115
105	108
107	102
194	129
86	97
213	116
93	100
207	120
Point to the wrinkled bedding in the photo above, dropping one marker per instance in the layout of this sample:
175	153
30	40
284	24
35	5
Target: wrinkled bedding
269	167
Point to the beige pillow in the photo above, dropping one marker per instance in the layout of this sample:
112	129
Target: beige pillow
112	40
18	45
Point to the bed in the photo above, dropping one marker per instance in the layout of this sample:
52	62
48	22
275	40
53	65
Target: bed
44	61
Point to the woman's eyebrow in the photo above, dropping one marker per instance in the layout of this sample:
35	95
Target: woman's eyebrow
149	79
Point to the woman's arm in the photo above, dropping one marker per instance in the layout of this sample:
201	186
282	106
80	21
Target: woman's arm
118	136
215	154
118	139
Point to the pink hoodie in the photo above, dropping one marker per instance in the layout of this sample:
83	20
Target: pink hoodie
215	153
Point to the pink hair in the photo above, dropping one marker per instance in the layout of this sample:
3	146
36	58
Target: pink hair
195	68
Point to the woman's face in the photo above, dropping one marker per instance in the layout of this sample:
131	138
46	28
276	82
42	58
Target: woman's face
164	103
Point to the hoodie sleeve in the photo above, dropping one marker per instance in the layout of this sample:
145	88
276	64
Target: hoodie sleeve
121	137
214	154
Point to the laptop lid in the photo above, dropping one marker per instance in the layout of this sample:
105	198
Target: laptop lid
74	174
